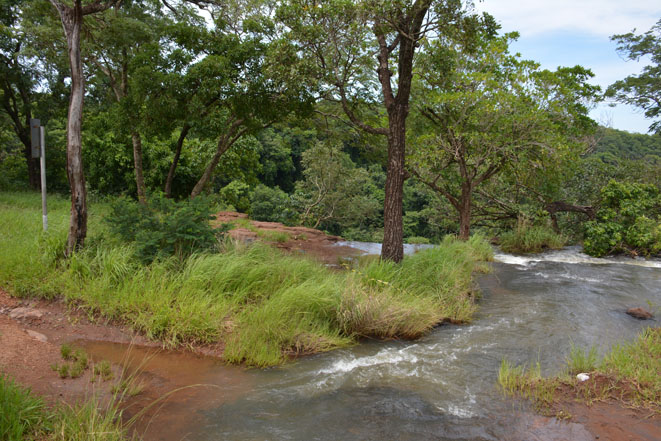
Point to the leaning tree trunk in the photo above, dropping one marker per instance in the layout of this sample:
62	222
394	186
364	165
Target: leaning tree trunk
465	207
393	231
206	176
71	21
137	162
175	160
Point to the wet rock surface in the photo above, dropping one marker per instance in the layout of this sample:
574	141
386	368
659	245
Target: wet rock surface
640	313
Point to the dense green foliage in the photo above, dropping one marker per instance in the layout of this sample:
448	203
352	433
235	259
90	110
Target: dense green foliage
162	227
624	145
629	220
261	109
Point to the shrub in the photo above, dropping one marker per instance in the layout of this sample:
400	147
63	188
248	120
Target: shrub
236	194
417	240
163	227
628	220
273	205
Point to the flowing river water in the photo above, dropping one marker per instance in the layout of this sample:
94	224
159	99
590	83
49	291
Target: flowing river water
443	386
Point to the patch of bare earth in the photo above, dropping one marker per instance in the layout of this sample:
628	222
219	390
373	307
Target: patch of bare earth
606	408
31	333
302	240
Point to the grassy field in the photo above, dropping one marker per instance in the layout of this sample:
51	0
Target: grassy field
262	304
629	373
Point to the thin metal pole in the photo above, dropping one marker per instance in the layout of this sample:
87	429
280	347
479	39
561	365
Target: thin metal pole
42	164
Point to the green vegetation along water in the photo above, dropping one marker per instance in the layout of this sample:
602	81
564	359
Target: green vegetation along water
445	385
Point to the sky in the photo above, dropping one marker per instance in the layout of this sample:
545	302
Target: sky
570	32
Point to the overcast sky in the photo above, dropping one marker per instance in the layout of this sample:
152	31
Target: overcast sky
569	32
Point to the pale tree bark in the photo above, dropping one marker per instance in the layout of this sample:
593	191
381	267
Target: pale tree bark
72	19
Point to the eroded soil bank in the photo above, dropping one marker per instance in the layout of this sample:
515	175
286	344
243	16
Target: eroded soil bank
294	240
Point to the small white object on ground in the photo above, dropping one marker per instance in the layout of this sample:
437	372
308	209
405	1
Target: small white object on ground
583	377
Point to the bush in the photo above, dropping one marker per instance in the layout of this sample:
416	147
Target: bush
628	221
528	238
163	227
272	205
236	194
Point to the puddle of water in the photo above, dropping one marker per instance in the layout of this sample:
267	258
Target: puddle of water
178	386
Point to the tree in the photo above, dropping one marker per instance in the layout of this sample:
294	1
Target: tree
364	53
135	58
247	79
72	21
643	90
334	190
485	111
17	81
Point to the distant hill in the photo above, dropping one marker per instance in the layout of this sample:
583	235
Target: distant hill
628	145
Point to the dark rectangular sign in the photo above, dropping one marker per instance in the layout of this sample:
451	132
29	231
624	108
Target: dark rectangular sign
36	137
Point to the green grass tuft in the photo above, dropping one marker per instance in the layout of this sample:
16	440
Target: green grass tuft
528	238
22	415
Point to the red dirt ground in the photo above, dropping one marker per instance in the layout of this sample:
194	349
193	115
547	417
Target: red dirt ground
303	240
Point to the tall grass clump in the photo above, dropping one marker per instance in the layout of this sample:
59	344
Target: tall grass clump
262	304
580	360
638	362
22	415
528	238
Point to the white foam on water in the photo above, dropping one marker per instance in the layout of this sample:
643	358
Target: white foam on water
574	256
383	357
569	276
458	411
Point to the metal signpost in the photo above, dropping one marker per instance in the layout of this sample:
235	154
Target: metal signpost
38	135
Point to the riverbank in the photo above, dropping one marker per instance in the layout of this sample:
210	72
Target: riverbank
616	397
246	303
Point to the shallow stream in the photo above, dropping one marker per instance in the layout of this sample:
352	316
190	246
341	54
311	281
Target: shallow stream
442	387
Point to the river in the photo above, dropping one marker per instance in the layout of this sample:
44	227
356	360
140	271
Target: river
444	386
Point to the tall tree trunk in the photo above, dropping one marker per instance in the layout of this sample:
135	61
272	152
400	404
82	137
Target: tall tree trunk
175	160
72	19
137	162
465	207
393	231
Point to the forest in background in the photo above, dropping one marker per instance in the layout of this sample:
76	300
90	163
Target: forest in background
281	111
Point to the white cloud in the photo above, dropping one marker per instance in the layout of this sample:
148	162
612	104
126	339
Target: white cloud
596	17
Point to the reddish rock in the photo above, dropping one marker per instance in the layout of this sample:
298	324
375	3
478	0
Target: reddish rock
640	313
